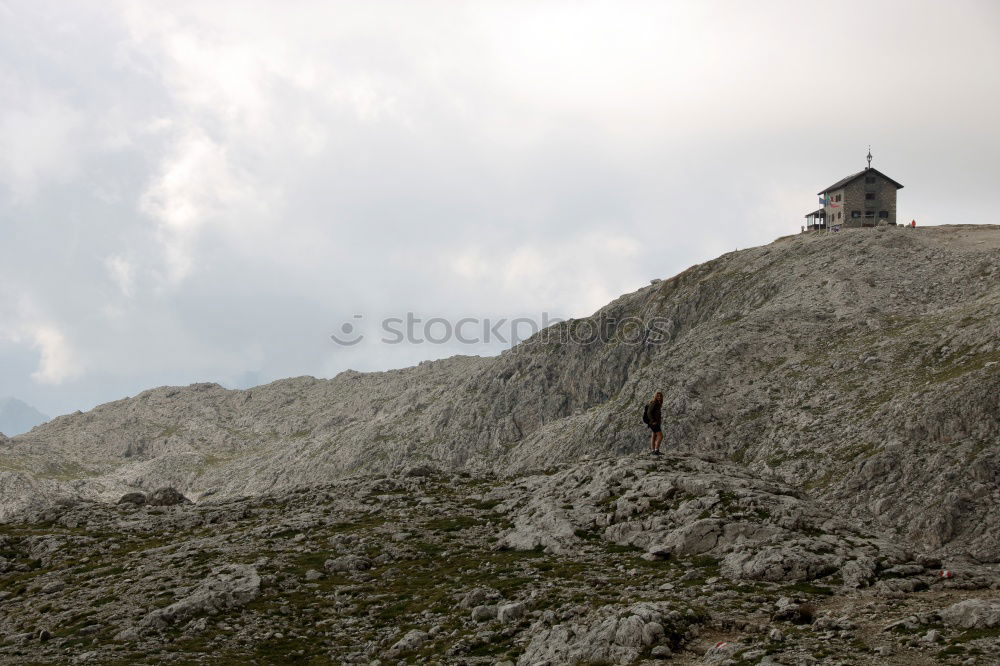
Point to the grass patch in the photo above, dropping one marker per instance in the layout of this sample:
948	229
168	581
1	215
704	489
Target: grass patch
856	451
454	524
977	634
965	363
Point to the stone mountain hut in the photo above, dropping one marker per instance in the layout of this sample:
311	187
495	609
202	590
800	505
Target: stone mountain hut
863	199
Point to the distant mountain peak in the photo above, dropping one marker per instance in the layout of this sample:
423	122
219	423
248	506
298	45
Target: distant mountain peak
17	416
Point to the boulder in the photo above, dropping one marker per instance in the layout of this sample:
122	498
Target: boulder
790	610
412	640
138	499
902	570
777	564
167	496
511	612
227	587
541	527
348	563
908	623
610	634
859	573
477	596
972	614
127	634
484	613
695	538
421	470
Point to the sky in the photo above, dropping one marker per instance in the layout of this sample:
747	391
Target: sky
207	191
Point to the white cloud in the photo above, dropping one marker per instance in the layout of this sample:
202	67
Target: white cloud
58	361
196	185
571	276
39	134
122	273
26	324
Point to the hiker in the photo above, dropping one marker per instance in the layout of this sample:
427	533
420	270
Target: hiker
651	416
913	224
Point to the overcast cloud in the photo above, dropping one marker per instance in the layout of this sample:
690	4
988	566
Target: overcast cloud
205	191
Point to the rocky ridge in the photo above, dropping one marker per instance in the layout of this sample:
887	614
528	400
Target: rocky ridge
860	368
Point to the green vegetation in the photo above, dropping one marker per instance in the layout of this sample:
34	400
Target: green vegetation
966	361
855	451
453	524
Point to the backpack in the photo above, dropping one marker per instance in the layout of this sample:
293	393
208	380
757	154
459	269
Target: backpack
645	414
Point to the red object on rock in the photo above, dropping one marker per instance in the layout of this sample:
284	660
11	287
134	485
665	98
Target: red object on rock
944	573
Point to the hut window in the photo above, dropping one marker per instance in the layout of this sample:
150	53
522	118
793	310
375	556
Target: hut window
869	179
883	215
855	213
869	196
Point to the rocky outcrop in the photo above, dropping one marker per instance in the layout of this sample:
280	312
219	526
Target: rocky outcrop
228	587
138	499
167	497
611	635
784	560
348	563
972	614
861	368
684	506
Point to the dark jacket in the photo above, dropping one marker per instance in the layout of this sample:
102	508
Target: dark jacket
653	411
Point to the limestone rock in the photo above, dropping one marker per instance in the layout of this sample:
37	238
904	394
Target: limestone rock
484	613
859	572
227	587
412	640
167	496
477	596
348	563
53	587
137	499
695	538
777	563
611	634
972	614
510	612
